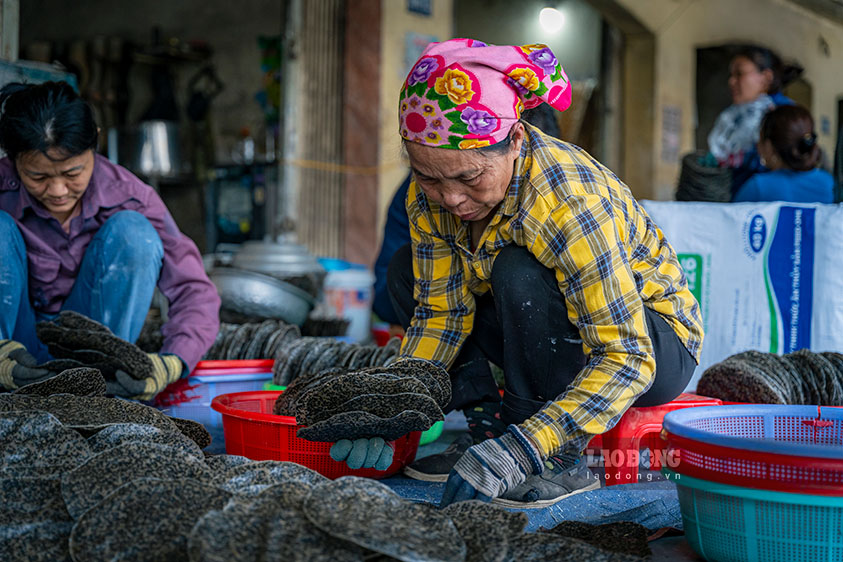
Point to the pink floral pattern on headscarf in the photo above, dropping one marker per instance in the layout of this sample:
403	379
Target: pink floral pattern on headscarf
464	94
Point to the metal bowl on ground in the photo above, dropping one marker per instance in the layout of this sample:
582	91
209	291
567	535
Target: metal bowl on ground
287	261
257	295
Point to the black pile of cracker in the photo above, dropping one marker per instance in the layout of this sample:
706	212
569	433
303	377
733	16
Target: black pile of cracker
310	355
92	478
383	402
77	341
800	378
623	536
254	340
323	325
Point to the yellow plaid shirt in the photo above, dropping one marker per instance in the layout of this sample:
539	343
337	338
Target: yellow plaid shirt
577	218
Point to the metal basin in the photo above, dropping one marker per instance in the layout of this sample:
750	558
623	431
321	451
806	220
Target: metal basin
287	261
261	296
280	260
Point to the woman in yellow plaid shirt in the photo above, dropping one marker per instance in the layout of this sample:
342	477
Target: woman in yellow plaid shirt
529	254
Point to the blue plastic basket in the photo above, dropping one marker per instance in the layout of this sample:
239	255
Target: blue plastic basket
190	397
732	523
765	428
793	449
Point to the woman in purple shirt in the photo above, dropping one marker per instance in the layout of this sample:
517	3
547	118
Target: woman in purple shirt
80	233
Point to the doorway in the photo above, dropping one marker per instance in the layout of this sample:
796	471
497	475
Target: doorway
712	89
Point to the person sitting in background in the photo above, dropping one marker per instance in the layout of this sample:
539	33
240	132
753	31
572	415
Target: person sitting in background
788	148
756	77
82	234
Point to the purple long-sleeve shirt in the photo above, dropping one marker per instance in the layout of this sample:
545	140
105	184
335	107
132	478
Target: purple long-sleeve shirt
55	255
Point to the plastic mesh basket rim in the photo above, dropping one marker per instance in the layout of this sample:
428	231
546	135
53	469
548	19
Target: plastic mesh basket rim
759	446
679	423
255	431
222	404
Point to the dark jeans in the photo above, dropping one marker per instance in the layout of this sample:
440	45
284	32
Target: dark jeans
524	329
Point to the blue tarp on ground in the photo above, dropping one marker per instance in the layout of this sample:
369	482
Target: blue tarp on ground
652	504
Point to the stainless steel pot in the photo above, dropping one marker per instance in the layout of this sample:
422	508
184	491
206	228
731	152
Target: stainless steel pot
286	260
261	296
277	259
151	149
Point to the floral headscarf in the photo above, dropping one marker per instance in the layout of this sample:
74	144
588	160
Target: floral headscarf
465	94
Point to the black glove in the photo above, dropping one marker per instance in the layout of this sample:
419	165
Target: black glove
18	367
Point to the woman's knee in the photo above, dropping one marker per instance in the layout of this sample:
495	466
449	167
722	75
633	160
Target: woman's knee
8	227
133	235
13	244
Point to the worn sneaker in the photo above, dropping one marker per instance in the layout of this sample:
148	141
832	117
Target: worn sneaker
547	488
435	468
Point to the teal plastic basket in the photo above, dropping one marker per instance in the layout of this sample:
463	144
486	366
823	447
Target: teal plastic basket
732	523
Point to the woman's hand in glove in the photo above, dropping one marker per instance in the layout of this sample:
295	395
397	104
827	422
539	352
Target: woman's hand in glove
18	367
166	368
492	467
363	453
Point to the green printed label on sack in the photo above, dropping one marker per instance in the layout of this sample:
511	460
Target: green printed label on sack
692	264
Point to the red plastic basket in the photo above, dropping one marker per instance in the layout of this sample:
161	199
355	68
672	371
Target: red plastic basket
253	431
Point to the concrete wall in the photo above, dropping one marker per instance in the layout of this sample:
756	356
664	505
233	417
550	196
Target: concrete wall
231	28
681	26
577	44
9	13
398	22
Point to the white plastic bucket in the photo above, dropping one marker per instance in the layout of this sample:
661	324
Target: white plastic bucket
349	294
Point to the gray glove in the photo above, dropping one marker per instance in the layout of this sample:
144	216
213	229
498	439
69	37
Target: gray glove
363	453
18	367
492	467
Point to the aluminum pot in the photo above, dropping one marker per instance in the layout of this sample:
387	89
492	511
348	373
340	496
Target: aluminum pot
287	261
151	149
258	295
277	259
